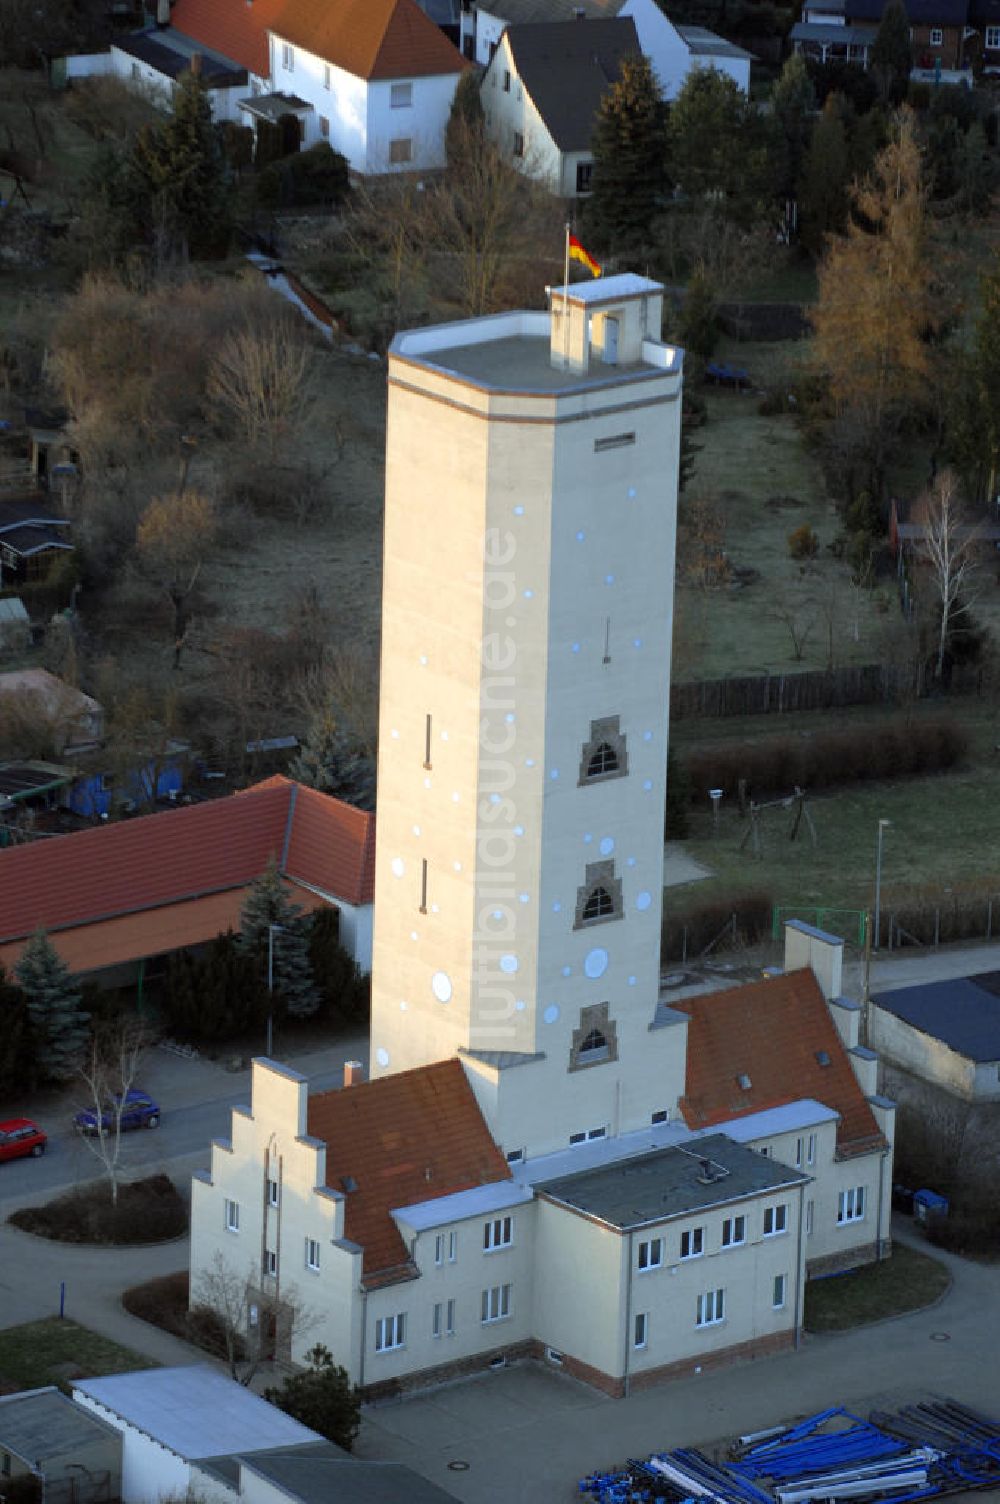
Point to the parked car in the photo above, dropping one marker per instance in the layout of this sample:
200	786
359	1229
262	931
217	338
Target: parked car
20	1136
139	1111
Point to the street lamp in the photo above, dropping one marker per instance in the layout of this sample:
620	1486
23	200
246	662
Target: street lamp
272	930
882	825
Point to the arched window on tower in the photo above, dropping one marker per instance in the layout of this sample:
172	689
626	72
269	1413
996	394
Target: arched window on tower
603	759
595	1041
600	905
604	754
599	898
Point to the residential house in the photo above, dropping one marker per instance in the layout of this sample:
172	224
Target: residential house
374	78
76	1456
940	31
116	899
984	20
541	95
34	535
97	791
154	59
946	1033
673	51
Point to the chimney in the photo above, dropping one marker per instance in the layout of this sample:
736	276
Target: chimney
163	12
806	946
354	1072
196	64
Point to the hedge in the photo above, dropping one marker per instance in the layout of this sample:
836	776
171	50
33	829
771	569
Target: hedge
685	936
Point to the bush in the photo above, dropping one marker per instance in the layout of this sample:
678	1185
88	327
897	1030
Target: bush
918	96
322	1398
676	824
803	542
319	175
148	1211
775	764
971	1226
163	1303
684	936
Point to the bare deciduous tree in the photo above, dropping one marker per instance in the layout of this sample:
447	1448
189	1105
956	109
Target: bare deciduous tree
171	542
260	378
799	620
108	1075
949	546
253	1322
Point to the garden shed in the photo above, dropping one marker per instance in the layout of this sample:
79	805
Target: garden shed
77	1456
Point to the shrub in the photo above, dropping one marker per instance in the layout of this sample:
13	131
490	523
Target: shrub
684	936
148	1211
163	1302
971	1226
803	543
322	1398
318	175
918	96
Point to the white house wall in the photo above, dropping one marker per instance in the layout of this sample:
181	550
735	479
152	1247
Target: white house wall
927	1057
149	1471
422	123
160	89
668	53
513	112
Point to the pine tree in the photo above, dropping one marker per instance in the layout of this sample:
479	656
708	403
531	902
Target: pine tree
337	974
630	161
271	923
892	54
698	327
17	1045
321	1397
825	177
793	104
331	759
60	1025
182	166
466	119
718	143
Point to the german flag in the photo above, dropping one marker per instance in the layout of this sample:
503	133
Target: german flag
578	253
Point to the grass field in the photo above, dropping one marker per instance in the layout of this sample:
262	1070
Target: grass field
56	1352
908	1281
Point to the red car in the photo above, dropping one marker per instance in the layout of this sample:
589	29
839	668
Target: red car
21	1136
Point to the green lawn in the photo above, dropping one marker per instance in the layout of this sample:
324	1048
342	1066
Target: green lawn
56	1352
907	1281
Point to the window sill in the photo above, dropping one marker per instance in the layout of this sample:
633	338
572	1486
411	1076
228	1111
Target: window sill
383	1352
650	1269
503	1248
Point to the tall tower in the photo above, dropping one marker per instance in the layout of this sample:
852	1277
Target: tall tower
530	520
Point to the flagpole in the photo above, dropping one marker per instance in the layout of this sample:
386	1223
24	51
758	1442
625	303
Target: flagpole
566	301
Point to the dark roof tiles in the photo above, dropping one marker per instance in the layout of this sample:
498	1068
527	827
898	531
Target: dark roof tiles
567	67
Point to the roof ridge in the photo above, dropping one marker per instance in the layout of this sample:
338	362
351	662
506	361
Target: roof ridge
413	1070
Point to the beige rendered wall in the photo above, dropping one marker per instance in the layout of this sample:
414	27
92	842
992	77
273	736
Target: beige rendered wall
268	1142
580	1279
921	1053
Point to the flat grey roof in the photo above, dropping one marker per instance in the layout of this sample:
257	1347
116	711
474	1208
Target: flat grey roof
523	363
705	43
196	1412
41	1423
964	1013
320	1479
670	1182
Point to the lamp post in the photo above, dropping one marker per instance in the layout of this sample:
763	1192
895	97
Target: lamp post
882	824
272	930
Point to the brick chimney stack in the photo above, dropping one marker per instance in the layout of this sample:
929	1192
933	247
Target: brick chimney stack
354	1073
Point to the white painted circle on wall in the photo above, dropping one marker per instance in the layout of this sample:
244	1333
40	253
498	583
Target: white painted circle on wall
520	1005
551	1014
403	1005
524	898
416	830
382	1056
596	963
647	784
508	964
423	659
631	981
441	986
518	511
567	971
398	866
427	783
395	734
643	900
607	845
457	866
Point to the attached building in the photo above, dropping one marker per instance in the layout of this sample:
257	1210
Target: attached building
76	1456
947	1033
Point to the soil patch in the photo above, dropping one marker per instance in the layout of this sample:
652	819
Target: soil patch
147	1211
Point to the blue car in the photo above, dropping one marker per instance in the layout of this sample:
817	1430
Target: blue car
140	1111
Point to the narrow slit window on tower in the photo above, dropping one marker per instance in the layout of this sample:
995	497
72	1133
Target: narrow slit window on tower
427	742
604	754
423	886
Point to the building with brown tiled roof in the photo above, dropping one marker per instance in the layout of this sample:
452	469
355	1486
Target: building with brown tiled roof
115	896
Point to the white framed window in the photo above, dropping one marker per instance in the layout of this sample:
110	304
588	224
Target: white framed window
992	38
651	1254
518	144
232	1216
661	1115
312	1254
851	1204
811	1149
288	57
775	1220
937	36
390	1332
765	1150
693	1243
439	1246
778	1291
449	1319
498	1233
711	1308
584	1138
326	75
452	1247
734	1232
400	151
401	96
496	1304
640	1333
810	1211
506	80
437	1320
515	1156
270	1263
272	1192
798	1154
324	127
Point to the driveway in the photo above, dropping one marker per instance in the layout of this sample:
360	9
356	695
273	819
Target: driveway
529	1433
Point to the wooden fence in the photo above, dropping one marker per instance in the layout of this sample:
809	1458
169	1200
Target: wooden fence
810	689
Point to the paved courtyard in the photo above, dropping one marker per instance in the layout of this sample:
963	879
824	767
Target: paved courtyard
529	1434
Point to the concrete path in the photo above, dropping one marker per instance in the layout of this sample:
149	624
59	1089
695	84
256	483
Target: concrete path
679	868
529	1433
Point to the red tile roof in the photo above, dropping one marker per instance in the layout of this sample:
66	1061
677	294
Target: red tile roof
771	1032
372	39
403	1139
235	28
170	858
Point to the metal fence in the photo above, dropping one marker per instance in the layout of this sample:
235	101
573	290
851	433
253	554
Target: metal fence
847	924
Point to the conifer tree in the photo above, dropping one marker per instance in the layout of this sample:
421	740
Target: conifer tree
183	167
892	54
825	176
466	121
60	1025
17	1047
793	103
270	920
630	161
330	758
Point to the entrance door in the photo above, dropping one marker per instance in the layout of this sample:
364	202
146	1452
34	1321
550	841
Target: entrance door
610	342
